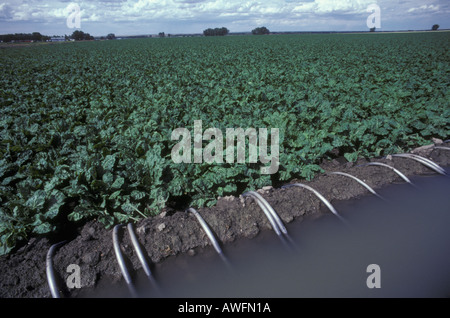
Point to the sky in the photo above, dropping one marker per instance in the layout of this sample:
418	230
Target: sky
139	17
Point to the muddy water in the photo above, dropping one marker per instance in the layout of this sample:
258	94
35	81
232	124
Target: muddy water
407	237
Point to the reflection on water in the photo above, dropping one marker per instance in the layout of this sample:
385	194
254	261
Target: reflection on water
407	237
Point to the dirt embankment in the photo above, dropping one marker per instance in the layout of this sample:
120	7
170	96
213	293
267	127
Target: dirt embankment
23	272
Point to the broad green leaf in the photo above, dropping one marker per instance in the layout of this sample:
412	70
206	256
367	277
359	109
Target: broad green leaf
108	162
118	183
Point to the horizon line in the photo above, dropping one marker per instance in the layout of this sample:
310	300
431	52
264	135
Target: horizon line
246	32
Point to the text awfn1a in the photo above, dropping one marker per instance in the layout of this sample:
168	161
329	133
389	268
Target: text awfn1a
231	307
246	307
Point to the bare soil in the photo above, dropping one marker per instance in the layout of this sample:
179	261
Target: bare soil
23	272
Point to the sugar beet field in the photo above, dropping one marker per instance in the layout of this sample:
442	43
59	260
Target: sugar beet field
85	128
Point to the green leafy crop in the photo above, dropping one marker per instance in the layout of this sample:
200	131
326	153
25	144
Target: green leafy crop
85	128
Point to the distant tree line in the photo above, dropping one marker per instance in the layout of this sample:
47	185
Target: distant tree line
260	31
216	32
224	31
35	36
81	36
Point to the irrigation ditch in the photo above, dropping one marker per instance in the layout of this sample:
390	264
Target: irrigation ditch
95	249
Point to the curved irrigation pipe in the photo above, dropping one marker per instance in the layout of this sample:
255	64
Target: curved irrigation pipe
273	217
119	254
440	147
425	161
321	197
138	250
51	272
392	168
266	212
365	185
206	229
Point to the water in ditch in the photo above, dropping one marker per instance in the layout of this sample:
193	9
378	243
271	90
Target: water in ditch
394	248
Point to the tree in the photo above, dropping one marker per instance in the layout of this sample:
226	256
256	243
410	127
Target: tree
372	29
111	36
78	35
223	31
162	35
435	27
260	31
36	36
216	32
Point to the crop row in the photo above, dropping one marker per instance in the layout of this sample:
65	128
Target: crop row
85	128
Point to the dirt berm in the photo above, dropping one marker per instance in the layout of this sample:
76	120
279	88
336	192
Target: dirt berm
23	273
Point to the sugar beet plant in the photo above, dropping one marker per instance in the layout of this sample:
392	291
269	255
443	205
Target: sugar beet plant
85	128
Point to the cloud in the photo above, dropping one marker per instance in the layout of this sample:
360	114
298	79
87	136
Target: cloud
425	8
143	9
139	16
6	11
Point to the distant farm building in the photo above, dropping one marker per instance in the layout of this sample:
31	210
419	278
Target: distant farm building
57	39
